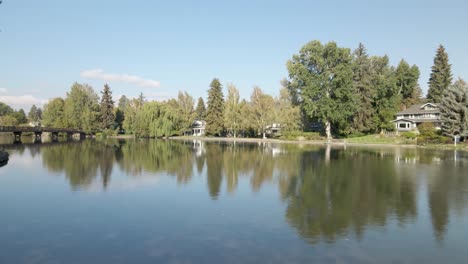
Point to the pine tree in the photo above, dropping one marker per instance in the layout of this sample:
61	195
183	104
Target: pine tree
454	109
34	114
362	81
215	111
441	76
201	110
107	109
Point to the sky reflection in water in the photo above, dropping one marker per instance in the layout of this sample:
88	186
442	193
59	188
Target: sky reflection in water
147	201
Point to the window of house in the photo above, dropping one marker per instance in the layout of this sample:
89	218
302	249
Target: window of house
402	125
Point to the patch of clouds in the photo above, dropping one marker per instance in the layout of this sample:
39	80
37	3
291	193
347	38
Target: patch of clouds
99	74
22	101
3	90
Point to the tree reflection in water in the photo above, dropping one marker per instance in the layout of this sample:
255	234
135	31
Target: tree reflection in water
329	192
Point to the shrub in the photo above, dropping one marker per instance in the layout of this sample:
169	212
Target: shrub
409	135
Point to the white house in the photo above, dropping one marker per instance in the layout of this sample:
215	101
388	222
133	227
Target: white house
410	118
198	128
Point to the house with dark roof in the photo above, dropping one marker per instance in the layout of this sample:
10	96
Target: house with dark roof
409	119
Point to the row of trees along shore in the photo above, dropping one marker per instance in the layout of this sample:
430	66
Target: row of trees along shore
343	92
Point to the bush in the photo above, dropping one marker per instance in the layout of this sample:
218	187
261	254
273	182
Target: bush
409	135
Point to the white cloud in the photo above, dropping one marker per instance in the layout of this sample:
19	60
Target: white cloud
3	91
126	78
23	101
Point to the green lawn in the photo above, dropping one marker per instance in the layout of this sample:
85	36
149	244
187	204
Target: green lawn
377	139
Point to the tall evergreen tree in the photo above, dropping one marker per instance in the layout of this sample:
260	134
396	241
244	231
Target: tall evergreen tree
215	111
200	111
407	81
322	75
362	81
454	109
34	114
107	109
441	76
120	111
388	98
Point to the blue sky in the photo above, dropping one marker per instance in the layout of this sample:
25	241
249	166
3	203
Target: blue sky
161	47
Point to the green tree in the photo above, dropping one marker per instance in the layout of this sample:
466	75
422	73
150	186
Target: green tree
407	81
107	117
387	100
261	111
232	112
286	113
20	116
454	109
322	75
441	76
185	107
82	108
362	81
53	115
215	111
200	110
120	111
8	120
5	109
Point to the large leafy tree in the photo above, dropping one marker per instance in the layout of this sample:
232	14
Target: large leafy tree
215	111
287	114
5	109
200	110
82	108
407	81
232	113
322	76
441	76
362	81
20	115
185	108
53	115
107	117
454	109
261	110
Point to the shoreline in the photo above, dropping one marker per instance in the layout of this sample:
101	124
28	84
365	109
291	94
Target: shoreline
334	142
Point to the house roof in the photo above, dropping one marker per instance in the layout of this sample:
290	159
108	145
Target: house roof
419	109
418	120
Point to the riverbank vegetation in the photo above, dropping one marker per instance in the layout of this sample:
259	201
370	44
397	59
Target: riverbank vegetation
330	90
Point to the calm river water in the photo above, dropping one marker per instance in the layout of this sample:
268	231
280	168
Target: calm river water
154	201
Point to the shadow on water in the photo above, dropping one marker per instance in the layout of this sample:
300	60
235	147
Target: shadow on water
329	192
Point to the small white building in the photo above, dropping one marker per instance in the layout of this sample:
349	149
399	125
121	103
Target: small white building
409	119
198	128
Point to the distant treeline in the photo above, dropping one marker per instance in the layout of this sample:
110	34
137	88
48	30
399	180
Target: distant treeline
339	91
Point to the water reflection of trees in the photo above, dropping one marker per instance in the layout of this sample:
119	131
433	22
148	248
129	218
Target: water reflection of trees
328	192
353	190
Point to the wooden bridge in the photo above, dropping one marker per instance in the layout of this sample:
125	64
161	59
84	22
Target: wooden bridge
19	130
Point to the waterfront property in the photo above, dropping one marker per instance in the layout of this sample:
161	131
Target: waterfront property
409	119
198	128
